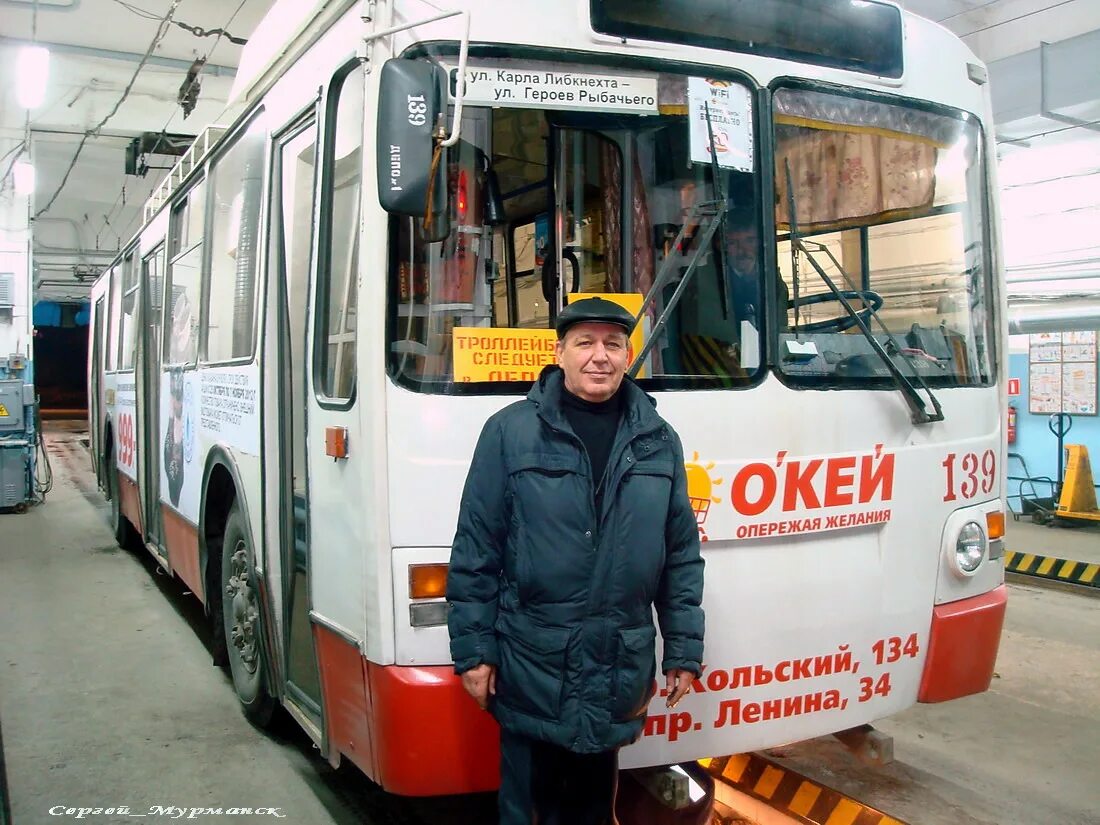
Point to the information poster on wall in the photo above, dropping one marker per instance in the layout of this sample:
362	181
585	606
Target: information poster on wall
1079	347
1062	372
1079	388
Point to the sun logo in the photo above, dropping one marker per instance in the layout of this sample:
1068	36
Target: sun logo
700	490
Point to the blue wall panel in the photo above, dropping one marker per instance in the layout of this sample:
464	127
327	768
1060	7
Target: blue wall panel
1036	444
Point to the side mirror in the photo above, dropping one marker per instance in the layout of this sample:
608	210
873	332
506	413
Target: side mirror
411	101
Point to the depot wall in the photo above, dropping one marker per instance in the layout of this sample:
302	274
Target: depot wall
15	329
1035	444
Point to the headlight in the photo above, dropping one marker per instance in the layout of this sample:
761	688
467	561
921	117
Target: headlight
970	547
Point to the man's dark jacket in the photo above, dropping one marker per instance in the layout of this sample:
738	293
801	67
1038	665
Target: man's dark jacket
560	598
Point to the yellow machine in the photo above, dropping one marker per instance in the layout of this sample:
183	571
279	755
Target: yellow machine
1078	499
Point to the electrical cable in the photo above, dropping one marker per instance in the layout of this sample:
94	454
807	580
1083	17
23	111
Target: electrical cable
198	31
138	216
140	12
42	485
19	151
13	150
1017	18
186	90
162	29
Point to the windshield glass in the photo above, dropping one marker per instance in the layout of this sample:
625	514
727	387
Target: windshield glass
888	200
573	183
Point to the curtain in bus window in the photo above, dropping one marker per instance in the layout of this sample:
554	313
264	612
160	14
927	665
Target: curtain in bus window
828	110
642	241
842	177
611	174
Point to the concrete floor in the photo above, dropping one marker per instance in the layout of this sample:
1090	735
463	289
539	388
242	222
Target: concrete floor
1079	541
108	697
1024	753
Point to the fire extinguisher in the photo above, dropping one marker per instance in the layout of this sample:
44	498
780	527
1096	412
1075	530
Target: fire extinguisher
1011	424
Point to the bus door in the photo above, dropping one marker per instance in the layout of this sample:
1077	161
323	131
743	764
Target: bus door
95	401
152	277
292	229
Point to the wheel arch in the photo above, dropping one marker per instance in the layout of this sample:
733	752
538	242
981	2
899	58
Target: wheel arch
221	489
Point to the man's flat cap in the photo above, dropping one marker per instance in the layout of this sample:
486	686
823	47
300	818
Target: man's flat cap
594	311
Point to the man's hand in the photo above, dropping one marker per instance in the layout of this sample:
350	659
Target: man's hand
479	682
678	683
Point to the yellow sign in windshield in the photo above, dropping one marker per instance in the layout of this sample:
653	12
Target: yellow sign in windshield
495	354
482	354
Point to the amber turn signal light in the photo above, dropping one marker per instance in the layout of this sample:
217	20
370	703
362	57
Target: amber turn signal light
427	581
995	525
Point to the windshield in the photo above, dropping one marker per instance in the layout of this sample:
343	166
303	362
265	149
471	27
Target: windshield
888	200
575	183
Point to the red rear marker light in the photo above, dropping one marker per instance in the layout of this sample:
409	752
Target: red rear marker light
462	196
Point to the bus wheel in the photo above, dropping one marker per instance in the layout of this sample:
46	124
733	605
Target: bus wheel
124	532
241	620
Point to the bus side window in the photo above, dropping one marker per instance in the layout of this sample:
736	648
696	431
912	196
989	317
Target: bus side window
185	244
127	330
237	183
339	245
114	302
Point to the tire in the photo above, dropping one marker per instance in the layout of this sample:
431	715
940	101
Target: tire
125	535
241	622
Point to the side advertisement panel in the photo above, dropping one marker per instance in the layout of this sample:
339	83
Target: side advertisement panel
229	407
180	471
126	425
201	408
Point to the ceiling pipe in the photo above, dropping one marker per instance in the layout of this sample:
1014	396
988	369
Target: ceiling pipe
1053	316
42	5
128	57
1048	275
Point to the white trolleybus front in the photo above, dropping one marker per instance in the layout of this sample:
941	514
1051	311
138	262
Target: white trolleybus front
294	357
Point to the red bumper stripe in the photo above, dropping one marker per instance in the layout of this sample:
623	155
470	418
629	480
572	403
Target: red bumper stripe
413	730
430	737
962	647
181	539
129	502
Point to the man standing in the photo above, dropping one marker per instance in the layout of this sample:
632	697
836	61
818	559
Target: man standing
574	523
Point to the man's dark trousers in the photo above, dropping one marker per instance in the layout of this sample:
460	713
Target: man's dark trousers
544	784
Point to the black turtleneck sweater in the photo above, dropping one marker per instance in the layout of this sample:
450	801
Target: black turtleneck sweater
595	423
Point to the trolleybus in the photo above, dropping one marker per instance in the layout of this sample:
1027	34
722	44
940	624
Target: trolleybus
292	359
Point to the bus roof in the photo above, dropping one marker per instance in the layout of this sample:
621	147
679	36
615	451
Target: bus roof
288	28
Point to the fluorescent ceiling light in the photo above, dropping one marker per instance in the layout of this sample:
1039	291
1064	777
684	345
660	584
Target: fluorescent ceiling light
23	172
32	71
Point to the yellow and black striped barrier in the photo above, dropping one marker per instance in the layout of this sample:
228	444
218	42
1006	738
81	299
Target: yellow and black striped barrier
1055	569
793	794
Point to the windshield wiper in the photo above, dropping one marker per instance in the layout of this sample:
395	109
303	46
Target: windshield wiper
918	411
709	217
720	218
